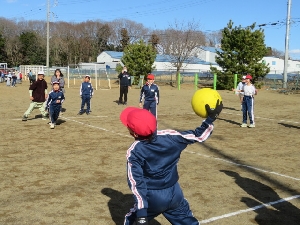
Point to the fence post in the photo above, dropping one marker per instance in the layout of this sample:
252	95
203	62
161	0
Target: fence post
235	82
196	81
178	81
215	81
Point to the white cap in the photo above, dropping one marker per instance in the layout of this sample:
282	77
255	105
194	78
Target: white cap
244	77
41	73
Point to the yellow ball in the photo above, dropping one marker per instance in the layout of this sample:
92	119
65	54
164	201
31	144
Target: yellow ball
202	97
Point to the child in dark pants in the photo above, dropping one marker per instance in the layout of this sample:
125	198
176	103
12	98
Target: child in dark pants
249	91
86	93
152	166
150	94
53	104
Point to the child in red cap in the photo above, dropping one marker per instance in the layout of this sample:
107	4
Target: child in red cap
150	95
249	91
152	166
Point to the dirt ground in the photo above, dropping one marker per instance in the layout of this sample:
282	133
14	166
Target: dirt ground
76	173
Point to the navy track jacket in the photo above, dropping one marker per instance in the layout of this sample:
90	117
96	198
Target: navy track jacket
53	96
153	164
86	89
150	93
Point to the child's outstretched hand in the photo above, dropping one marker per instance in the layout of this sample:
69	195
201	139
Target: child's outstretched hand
214	113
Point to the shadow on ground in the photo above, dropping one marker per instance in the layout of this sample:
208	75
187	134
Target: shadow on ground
120	204
281	212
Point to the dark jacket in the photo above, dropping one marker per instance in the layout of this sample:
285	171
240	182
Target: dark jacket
53	97
150	92
38	90
86	89
125	79
153	165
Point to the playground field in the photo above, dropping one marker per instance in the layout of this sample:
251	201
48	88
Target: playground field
76	173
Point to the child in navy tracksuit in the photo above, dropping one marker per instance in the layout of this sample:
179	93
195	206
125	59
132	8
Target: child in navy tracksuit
150	94
248	102
152	166
53	104
86	93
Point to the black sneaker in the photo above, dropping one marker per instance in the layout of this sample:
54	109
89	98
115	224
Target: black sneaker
125	103
24	118
80	113
87	113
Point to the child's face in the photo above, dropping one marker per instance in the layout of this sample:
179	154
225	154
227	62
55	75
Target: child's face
55	87
57	73
247	81
86	79
150	81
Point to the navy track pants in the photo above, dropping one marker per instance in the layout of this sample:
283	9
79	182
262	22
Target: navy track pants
170	202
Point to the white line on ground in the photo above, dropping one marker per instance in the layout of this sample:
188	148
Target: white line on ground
243	165
227	161
249	209
257	117
224	160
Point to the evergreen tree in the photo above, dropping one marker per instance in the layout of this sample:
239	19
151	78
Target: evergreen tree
125	38
3	57
242	49
139	58
31	50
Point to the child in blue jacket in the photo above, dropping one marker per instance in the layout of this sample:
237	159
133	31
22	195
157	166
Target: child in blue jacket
54	102
86	93
152	166
150	95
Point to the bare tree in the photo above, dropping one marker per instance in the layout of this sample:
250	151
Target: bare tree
135	31
214	38
179	41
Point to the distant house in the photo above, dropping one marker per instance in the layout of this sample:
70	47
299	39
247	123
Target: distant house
276	65
161	63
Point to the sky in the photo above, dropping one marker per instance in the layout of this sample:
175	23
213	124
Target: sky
212	15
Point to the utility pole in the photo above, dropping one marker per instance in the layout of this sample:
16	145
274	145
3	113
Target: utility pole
287	34
48	31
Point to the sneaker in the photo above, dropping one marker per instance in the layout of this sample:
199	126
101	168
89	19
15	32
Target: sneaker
251	125
24	118
125	103
80	113
52	125
243	125
87	113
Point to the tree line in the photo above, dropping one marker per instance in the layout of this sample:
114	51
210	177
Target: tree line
24	42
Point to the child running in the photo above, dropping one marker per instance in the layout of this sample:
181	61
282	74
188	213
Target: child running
54	101
150	94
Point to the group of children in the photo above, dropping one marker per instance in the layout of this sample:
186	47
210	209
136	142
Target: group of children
50	105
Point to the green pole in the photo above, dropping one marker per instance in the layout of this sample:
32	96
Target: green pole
215	81
235	82
178	82
196	81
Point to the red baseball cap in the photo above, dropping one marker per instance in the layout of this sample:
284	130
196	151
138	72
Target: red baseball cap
150	77
140	121
248	76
